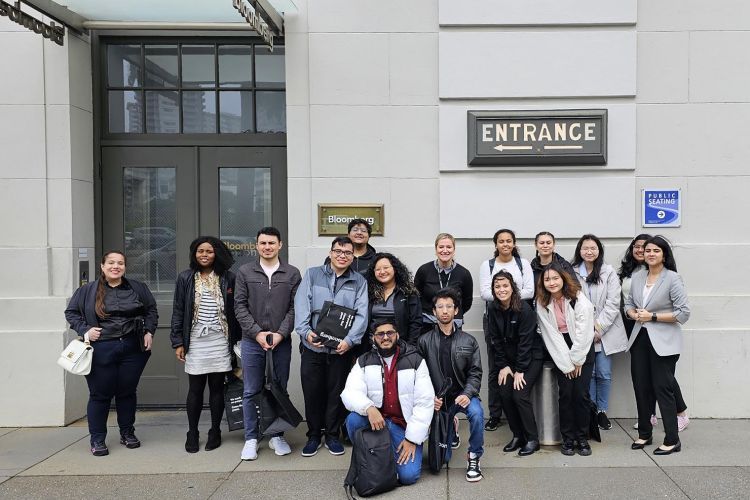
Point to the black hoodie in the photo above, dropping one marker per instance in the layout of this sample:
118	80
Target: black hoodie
361	264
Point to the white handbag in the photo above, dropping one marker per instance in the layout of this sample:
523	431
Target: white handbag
76	357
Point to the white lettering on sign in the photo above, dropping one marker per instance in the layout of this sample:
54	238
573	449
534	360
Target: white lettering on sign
345	219
531	132
255	21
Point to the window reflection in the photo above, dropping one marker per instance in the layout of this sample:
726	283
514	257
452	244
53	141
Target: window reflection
161	65
125	111
235	65
271	111
198	66
124	65
236	112
269	67
162	112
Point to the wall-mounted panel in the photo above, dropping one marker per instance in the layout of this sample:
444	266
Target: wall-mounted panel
621	136
591	63
567	205
537	12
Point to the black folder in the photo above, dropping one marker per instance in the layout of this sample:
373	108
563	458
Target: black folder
334	323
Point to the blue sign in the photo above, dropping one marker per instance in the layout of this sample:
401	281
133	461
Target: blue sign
661	208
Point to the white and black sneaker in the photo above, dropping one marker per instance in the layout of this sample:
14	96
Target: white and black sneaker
473	470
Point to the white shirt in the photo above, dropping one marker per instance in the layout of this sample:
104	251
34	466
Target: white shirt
524	281
270	270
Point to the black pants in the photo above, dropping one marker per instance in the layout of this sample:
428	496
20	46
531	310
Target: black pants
573	400
517	404
653	379
494	400
116	369
323	379
194	403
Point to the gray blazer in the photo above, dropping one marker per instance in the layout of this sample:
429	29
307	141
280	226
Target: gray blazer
667	295
605	296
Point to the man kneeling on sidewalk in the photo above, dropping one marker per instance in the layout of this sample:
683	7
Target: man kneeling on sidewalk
389	387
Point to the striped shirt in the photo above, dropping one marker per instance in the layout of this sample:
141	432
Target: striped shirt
208	310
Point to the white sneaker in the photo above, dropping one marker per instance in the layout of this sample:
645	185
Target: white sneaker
279	446
682	422
250	450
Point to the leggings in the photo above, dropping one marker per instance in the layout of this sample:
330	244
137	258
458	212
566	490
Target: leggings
215	398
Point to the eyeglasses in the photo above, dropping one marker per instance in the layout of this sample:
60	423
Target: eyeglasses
357	229
388	333
346	253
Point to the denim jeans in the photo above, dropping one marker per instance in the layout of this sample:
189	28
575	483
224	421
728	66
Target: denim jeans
116	369
253	375
475	414
601	381
409	472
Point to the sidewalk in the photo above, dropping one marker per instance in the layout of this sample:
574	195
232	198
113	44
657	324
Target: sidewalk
55	463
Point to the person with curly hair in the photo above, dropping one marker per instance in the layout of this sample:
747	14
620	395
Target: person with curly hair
204	330
392	294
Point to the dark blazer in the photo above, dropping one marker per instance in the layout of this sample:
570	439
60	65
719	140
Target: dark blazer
465	358
81	312
515	341
407	314
184	303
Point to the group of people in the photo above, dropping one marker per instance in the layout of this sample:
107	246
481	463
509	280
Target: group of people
406	354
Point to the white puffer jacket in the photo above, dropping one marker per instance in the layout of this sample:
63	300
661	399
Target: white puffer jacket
364	388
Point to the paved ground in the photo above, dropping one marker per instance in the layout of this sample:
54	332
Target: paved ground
55	463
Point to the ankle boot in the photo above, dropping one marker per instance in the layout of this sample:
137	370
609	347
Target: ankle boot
191	443
214	439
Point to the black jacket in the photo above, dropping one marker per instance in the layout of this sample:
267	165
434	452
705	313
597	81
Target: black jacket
467	363
408	317
360	264
538	267
81	312
184	303
514	337
427	282
261	306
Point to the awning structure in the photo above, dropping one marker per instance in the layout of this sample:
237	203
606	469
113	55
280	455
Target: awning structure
265	17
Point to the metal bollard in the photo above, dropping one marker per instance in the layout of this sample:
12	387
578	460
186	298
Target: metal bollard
544	398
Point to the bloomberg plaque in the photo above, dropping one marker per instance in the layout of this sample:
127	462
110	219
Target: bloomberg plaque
557	137
334	218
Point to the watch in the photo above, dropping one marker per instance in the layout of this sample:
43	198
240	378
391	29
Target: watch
653	316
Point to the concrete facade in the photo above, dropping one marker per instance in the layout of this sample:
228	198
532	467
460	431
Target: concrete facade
377	94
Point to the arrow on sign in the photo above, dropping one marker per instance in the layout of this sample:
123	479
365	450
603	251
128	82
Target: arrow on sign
563	147
502	148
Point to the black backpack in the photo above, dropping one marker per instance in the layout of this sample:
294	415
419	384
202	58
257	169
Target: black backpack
373	466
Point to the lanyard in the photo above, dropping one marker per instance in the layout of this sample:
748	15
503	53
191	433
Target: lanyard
440	279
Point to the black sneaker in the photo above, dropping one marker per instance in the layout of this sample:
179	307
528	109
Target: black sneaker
456	441
568	448
492	424
603	421
583	448
473	471
129	440
311	448
99	449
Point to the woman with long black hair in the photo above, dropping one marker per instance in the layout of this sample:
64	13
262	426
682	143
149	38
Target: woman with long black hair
658	303
204	330
519	357
544	243
600	285
632	262
119	317
566	322
393	295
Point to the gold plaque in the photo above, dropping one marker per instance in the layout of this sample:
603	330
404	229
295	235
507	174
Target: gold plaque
333	218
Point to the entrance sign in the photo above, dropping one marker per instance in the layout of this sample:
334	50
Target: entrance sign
555	137
333	218
253	17
15	14
661	208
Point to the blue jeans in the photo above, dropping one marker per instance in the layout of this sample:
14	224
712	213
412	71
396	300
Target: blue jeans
601	381
253	375
409	472
116	369
475	414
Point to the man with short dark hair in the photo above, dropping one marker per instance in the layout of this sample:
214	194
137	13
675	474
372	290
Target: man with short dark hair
359	231
389	387
323	370
264	307
452	355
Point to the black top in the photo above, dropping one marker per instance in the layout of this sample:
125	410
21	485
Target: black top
537	267
428	281
514	337
447	367
122	306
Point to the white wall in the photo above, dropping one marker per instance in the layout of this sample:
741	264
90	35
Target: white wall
377	106
46	196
